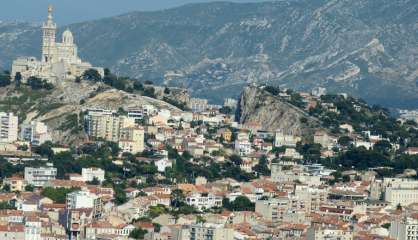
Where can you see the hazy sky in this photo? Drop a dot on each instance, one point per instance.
(70, 11)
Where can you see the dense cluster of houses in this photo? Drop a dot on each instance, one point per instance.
(295, 201)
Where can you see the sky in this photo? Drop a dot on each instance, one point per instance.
(72, 11)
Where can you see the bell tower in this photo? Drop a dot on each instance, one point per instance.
(48, 40)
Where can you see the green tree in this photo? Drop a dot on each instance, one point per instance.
(241, 203)
(5, 79)
(138, 86)
(138, 233)
(262, 166)
(237, 160)
(29, 188)
(18, 79)
(345, 141)
(92, 75)
(177, 198)
(382, 146)
(6, 205)
(149, 92)
(58, 195)
(6, 188)
(44, 149)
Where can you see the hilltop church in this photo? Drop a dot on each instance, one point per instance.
(59, 61)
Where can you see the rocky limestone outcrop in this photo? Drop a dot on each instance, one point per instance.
(272, 113)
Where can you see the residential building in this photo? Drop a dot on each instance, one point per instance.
(84, 199)
(285, 139)
(17, 184)
(12, 231)
(131, 140)
(8, 127)
(88, 174)
(39, 176)
(405, 228)
(207, 231)
(35, 132)
(102, 125)
(321, 232)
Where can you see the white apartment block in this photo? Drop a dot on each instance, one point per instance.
(209, 231)
(243, 147)
(400, 191)
(84, 199)
(280, 173)
(320, 232)
(401, 196)
(88, 174)
(8, 127)
(404, 229)
(39, 176)
(283, 139)
(203, 200)
(35, 132)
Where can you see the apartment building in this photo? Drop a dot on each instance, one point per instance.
(106, 125)
(323, 232)
(131, 140)
(405, 228)
(38, 177)
(8, 127)
(208, 231)
(88, 174)
(286, 139)
(35, 132)
(400, 191)
(84, 199)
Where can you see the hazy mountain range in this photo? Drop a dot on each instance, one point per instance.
(368, 48)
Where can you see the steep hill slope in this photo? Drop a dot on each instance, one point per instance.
(272, 113)
(366, 47)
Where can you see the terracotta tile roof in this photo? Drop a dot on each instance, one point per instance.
(66, 183)
(12, 228)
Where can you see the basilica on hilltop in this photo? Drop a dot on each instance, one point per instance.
(59, 60)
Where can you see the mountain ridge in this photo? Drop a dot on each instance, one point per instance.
(365, 48)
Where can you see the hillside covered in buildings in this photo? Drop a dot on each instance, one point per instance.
(139, 161)
(87, 153)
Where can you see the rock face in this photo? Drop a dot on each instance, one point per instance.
(366, 48)
(272, 113)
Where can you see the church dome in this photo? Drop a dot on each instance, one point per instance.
(67, 37)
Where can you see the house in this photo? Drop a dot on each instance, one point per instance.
(225, 133)
(131, 192)
(323, 138)
(106, 230)
(16, 183)
(286, 139)
(162, 164)
(411, 151)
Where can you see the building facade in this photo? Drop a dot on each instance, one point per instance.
(8, 127)
(39, 176)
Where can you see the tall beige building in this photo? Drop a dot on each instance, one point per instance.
(107, 126)
(8, 127)
(120, 129)
(131, 139)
